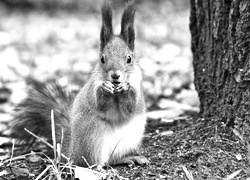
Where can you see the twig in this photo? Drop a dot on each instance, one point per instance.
(53, 132)
(12, 150)
(43, 141)
(187, 173)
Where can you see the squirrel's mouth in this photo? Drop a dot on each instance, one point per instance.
(116, 82)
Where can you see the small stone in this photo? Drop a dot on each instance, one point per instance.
(238, 157)
(166, 133)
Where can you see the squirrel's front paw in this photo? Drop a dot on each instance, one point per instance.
(108, 87)
(122, 88)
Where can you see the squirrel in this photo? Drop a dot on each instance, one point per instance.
(106, 120)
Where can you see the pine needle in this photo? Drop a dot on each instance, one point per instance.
(233, 175)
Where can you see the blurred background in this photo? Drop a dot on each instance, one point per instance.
(59, 39)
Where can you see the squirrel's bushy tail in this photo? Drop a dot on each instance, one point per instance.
(34, 112)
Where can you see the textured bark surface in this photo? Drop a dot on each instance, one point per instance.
(220, 32)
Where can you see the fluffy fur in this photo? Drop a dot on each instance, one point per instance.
(34, 112)
(105, 122)
(107, 28)
(127, 25)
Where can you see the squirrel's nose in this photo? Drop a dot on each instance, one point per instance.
(115, 76)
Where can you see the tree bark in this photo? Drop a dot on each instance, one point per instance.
(220, 31)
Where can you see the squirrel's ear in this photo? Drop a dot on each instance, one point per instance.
(107, 29)
(127, 25)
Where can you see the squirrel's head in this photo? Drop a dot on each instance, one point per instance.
(117, 51)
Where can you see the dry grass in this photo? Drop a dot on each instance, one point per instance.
(51, 168)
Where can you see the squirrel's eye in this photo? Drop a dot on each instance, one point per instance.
(102, 59)
(129, 59)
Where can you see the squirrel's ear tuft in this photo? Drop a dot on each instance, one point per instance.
(107, 29)
(127, 25)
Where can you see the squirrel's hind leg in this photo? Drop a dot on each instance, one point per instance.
(137, 159)
(132, 160)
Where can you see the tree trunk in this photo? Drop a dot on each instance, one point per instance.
(220, 32)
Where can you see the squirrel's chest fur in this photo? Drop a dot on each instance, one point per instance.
(115, 114)
(123, 139)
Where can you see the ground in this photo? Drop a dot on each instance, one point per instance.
(63, 44)
(205, 148)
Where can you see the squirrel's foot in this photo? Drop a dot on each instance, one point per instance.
(122, 88)
(132, 160)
